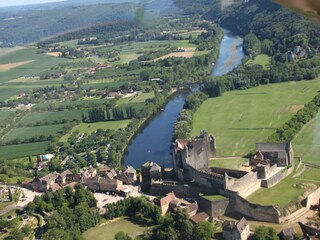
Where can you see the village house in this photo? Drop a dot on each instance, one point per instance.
(53, 181)
(128, 176)
(232, 230)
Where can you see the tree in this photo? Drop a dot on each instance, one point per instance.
(122, 236)
(251, 45)
(203, 230)
(265, 233)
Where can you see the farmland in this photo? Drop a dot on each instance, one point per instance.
(20, 150)
(241, 118)
(307, 142)
(29, 132)
(40, 62)
(50, 117)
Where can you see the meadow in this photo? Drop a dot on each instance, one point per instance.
(107, 231)
(307, 143)
(29, 132)
(262, 59)
(21, 150)
(4, 115)
(239, 119)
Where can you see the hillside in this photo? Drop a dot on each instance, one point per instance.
(42, 23)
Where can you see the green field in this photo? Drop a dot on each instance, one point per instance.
(50, 117)
(232, 163)
(28, 132)
(107, 231)
(262, 59)
(307, 143)
(92, 127)
(4, 115)
(40, 63)
(239, 119)
(21, 150)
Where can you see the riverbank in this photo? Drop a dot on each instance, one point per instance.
(153, 141)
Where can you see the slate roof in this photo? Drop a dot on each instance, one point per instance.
(271, 147)
(130, 169)
(155, 168)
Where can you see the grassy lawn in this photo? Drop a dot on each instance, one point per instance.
(92, 127)
(228, 163)
(22, 150)
(4, 115)
(28, 132)
(107, 231)
(310, 175)
(239, 119)
(307, 143)
(50, 117)
(262, 59)
(281, 194)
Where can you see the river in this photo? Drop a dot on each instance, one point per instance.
(153, 142)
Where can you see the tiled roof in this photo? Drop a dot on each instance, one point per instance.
(202, 216)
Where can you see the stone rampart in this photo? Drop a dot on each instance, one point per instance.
(312, 199)
(246, 185)
(276, 178)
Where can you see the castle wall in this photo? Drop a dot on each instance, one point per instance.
(180, 190)
(214, 208)
(312, 199)
(246, 185)
(255, 211)
(276, 178)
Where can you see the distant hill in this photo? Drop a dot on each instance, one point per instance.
(26, 26)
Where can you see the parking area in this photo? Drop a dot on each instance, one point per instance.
(26, 196)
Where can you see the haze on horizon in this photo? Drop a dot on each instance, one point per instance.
(9, 3)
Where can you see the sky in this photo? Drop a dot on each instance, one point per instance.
(6, 3)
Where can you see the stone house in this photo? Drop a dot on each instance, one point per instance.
(232, 230)
(43, 184)
(273, 153)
